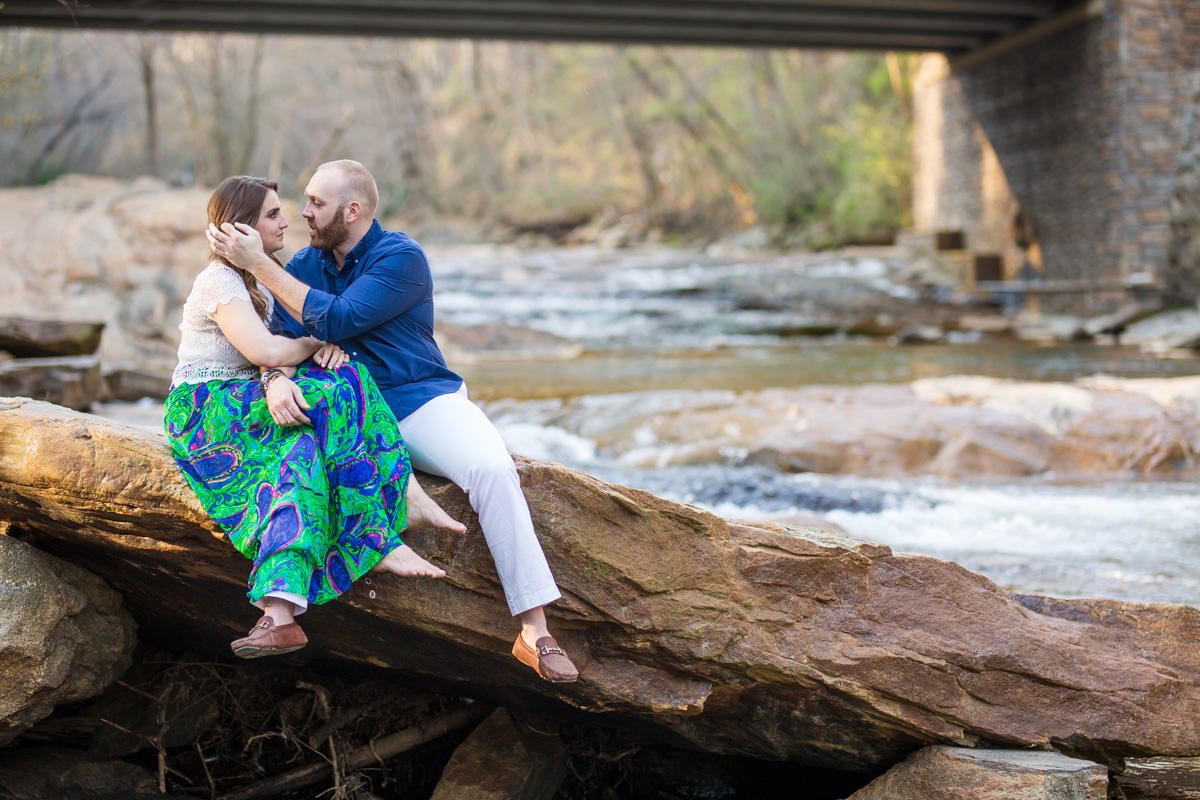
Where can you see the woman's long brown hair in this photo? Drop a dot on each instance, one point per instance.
(240, 199)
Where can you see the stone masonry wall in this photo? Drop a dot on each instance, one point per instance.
(1081, 132)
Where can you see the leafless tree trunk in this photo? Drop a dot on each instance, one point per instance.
(253, 104)
(148, 80)
(642, 147)
(219, 129)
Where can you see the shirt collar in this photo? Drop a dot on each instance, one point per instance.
(367, 242)
(372, 235)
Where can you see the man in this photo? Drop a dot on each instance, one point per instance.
(370, 291)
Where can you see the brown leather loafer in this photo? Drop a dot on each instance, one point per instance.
(268, 639)
(548, 659)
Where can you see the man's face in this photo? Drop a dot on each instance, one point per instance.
(327, 226)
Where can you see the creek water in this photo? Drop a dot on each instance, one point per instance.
(669, 321)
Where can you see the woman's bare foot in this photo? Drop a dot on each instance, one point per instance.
(423, 512)
(405, 561)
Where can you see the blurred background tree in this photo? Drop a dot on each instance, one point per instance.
(687, 143)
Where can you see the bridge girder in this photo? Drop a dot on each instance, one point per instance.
(950, 26)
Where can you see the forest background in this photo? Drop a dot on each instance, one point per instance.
(673, 144)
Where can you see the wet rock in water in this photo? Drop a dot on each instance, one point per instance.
(64, 635)
(1165, 331)
(1036, 327)
(952, 427)
(1119, 321)
(71, 381)
(957, 773)
(744, 639)
(504, 759)
(47, 338)
(467, 345)
(917, 333)
(41, 773)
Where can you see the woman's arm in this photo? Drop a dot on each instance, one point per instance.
(242, 326)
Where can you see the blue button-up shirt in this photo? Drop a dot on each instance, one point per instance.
(378, 308)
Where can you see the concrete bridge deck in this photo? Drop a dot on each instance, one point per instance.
(950, 26)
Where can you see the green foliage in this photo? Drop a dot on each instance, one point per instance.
(874, 175)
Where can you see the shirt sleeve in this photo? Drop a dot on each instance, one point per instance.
(284, 324)
(218, 286)
(388, 288)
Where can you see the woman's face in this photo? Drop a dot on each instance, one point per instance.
(271, 224)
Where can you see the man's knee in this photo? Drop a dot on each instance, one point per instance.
(492, 470)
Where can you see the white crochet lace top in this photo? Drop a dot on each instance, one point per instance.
(204, 352)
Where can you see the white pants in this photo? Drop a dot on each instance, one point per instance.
(450, 436)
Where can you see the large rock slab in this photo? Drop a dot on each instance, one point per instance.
(740, 638)
(497, 342)
(64, 635)
(956, 773)
(48, 338)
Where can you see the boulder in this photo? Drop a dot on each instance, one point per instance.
(751, 639)
(64, 635)
(956, 773)
(71, 381)
(38, 773)
(47, 338)
(504, 760)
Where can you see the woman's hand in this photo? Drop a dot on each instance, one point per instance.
(330, 357)
(286, 403)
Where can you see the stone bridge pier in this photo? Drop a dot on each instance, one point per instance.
(1070, 151)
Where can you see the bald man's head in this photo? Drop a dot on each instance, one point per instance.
(356, 184)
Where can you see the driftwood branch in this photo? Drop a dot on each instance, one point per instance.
(374, 752)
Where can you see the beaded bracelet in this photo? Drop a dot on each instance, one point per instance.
(268, 376)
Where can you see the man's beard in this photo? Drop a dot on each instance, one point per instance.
(333, 234)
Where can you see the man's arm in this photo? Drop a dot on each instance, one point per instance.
(385, 291)
(242, 245)
(388, 288)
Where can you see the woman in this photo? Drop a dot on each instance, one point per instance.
(314, 506)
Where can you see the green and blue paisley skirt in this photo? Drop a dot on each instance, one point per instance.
(313, 506)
